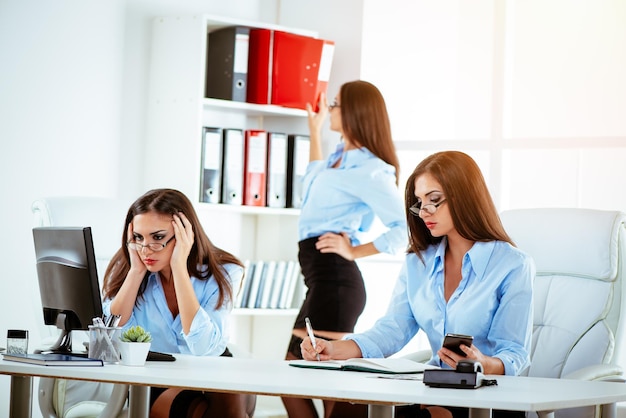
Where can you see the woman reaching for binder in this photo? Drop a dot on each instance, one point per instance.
(462, 274)
(169, 278)
(342, 196)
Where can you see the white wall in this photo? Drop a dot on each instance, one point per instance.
(60, 80)
(73, 84)
(533, 89)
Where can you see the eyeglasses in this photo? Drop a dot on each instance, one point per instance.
(333, 105)
(154, 246)
(429, 208)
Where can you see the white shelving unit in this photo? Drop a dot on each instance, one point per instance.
(177, 111)
(177, 108)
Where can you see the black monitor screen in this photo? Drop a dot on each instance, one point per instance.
(68, 280)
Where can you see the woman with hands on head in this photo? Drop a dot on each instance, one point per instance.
(170, 279)
(462, 274)
(342, 196)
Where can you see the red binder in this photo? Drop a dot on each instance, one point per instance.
(259, 66)
(255, 167)
(287, 69)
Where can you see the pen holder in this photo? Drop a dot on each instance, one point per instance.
(103, 343)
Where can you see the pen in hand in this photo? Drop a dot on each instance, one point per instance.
(309, 329)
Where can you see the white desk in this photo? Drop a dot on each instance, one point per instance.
(277, 378)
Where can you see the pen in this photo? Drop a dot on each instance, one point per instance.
(309, 329)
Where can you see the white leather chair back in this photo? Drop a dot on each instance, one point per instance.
(578, 289)
(104, 216)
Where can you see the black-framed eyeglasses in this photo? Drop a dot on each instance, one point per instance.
(429, 208)
(154, 246)
(333, 105)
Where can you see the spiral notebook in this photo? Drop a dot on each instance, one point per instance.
(372, 365)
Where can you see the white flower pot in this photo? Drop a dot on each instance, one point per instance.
(134, 354)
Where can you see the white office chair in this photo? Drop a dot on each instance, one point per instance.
(60, 398)
(578, 325)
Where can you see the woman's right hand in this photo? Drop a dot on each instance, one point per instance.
(316, 119)
(136, 263)
(322, 347)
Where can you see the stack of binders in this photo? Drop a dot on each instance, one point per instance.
(266, 66)
(287, 69)
(268, 285)
(252, 167)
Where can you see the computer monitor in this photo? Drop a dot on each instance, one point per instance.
(68, 281)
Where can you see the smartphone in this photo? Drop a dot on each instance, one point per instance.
(453, 342)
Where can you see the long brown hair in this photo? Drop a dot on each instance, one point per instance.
(205, 259)
(473, 212)
(365, 120)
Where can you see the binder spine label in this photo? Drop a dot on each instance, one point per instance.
(242, 41)
(326, 62)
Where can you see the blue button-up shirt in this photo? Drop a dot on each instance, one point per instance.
(350, 197)
(208, 335)
(493, 302)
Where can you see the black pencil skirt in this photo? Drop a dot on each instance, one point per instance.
(335, 295)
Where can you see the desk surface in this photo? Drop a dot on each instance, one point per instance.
(276, 378)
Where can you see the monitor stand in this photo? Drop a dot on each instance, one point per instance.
(63, 345)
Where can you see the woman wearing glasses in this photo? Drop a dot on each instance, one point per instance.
(170, 279)
(462, 274)
(342, 196)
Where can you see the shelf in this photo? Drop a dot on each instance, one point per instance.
(214, 22)
(252, 109)
(248, 210)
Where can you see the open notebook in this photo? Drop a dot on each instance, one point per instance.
(372, 365)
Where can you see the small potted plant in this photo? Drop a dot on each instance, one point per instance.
(134, 346)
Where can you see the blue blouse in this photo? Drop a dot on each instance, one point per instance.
(349, 198)
(493, 302)
(208, 335)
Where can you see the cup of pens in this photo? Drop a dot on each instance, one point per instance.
(103, 342)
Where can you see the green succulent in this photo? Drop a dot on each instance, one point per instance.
(136, 334)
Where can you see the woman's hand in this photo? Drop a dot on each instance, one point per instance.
(329, 350)
(317, 119)
(336, 243)
(322, 347)
(137, 267)
(184, 241)
(491, 365)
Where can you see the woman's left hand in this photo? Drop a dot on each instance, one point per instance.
(491, 365)
(335, 243)
(184, 240)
